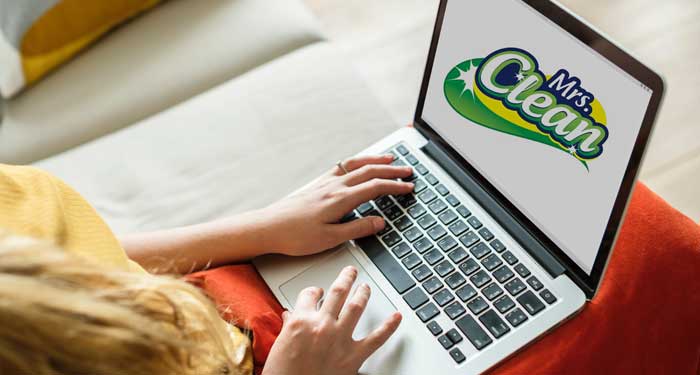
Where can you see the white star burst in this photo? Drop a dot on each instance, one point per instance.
(519, 76)
(572, 150)
(467, 77)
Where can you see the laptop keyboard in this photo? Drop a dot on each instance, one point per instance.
(443, 260)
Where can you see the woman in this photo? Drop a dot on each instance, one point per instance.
(72, 301)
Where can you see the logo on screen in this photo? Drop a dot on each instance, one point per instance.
(506, 91)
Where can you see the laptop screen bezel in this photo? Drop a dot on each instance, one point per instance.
(617, 56)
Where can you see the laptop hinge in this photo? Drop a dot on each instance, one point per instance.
(496, 210)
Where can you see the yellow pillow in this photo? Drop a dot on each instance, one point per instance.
(38, 35)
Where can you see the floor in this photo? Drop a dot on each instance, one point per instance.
(388, 42)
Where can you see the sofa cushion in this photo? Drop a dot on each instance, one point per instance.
(172, 53)
(44, 34)
(239, 146)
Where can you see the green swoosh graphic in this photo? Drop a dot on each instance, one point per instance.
(467, 104)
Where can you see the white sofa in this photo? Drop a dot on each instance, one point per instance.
(196, 110)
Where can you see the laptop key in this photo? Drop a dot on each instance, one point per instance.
(452, 200)
(383, 202)
(392, 212)
(455, 310)
(387, 229)
(412, 234)
(364, 208)
(498, 245)
(393, 154)
(422, 272)
(437, 206)
(432, 285)
(443, 297)
(454, 336)
(418, 186)
(530, 302)
(486, 234)
(389, 267)
(447, 217)
(423, 245)
(480, 250)
(427, 196)
(445, 341)
(434, 328)
(516, 317)
(457, 355)
(444, 268)
(474, 222)
(416, 211)
(391, 239)
(427, 221)
(411, 159)
(469, 239)
(522, 270)
(412, 261)
(406, 200)
(401, 250)
(473, 331)
(403, 223)
(503, 274)
(480, 278)
(458, 255)
(431, 179)
(458, 227)
(466, 293)
(420, 168)
(455, 280)
(491, 262)
(447, 243)
(427, 312)
(463, 211)
(548, 297)
(469, 267)
(514, 287)
(415, 298)
(510, 258)
(504, 304)
(477, 305)
(433, 256)
(494, 323)
(437, 232)
(440, 188)
(402, 150)
(398, 162)
(534, 283)
(492, 291)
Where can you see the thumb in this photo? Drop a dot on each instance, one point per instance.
(359, 228)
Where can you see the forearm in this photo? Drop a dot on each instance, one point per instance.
(192, 248)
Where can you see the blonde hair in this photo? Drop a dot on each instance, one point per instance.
(63, 314)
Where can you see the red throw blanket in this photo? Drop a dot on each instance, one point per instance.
(644, 320)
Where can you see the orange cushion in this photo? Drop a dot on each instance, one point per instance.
(645, 318)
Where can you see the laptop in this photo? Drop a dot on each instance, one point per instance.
(527, 138)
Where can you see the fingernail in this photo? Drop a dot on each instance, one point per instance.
(378, 224)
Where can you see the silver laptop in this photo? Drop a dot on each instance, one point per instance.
(528, 134)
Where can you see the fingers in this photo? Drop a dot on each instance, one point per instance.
(372, 189)
(360, 161)
(338, 292)
(308, 299)
(374, 171)
(378, 337)
(357, 228)
(354, 308)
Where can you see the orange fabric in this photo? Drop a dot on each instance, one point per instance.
(645, 318)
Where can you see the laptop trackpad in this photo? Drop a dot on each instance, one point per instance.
(323, 273)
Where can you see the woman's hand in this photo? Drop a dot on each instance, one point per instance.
(307, 222)
(318, 341)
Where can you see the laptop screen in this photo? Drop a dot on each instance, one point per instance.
(546, 119)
